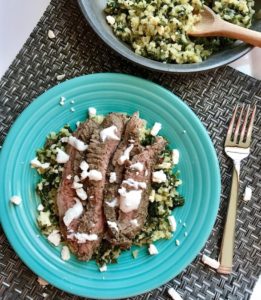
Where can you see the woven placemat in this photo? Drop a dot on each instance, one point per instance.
(77, 50)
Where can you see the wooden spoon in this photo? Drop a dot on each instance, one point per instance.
(212, 25)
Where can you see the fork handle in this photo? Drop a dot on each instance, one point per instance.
(227, 245)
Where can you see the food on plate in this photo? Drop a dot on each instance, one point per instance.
(157, 29)
(106, 186)
(17, 200)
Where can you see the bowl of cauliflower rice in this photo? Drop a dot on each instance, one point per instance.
(153, 33)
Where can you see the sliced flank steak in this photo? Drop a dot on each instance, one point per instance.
(66, 194)
(100, 151)
(134, 192)
(116, 171)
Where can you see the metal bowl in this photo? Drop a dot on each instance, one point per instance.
(93, 12)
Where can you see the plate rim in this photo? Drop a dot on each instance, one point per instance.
(19, 119)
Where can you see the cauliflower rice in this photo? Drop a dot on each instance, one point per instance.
(157, 29)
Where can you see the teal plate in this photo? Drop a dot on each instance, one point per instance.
(198, 167)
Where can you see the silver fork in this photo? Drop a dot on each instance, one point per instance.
(237, 147)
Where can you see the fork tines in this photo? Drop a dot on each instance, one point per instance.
(236, 126)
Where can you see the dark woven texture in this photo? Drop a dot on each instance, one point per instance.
(76, 50)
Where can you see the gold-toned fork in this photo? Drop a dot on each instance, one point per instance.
(237, 147)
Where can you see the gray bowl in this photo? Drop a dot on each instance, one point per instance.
(93, 12)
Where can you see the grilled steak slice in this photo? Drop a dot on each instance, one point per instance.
(131, 136)
(98, 156)
(66, 194)
(131, 222)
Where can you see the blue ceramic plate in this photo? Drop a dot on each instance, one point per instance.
(199, 173)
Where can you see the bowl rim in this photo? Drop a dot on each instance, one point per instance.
(156, 65)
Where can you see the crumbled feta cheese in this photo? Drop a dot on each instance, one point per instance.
(210, 262)
(77, 144)
(113, 203)
(146, 173)
(72, 109)
(40, 207)
(54, 238)
(177, 242)
(113, 177)
(84, 175)
(173, 294)
(135, 184)
(126, 155)
(65, 139)
(35, 163)
(155, 129)
(44, 295)
(77, 185)
(92, 112)
(95, 175)
(109, 133)
(81, 194)
(16, 200)
(73, 213)
(69, 177)
(134, 222)
(51, 34)
(175, 156)
(143, 185)
(62, 101)
(44, 218)
(60, 77)
(103, 268)
(110, 20)
(113, 225)
(83, 237)
(172, 223)
(153, 249)
(84, 166)
(65, 253)
(61, 156)
(42, 282)
(159, 176)
(137, 166)
(76, 178)
(129, 200)
(247, 194)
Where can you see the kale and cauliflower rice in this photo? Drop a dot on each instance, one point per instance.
(157, 29)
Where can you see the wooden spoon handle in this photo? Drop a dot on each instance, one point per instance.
(249, 36)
